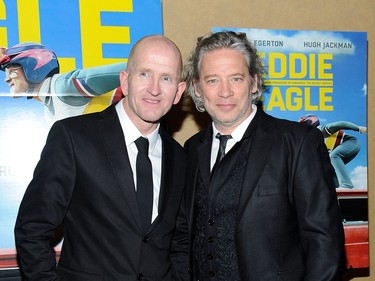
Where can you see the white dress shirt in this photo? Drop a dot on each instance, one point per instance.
(131, 133)
(237, 135)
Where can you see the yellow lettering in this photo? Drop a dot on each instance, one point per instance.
(308, 105)
(262, 55)
(276, 100)
(312, 66)
(93, 34)
(325, 99)
(324, 65)
(293, 59)
(294, 98)
(67, 64)
(298, 98)
(277, 57)
(3, 30)
(28, 20)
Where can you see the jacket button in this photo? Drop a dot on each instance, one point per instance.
(140, 277)
(210, 222)
(212, 273)
(210, 256)
(210, 239)
(145, 239)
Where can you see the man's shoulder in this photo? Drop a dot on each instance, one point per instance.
(170, 141)
(286, 129)
(285, 124)
(88, 120)
(197, 137)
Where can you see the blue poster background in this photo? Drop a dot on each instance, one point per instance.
(82, 33)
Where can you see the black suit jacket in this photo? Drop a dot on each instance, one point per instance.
(85, 182)
(288, 221)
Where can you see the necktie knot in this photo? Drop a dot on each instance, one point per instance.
(223, 139)
(223, 143)
(142, 144)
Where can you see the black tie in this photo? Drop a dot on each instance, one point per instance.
(223, 143)
(144, 182)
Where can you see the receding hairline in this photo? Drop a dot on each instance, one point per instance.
(151, 39)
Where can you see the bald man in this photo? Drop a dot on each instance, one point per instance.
(86, 182)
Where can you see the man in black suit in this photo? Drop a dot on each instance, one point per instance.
(268, 209)
(86, 182)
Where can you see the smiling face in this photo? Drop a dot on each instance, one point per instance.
(226, 88)
(151, 82)
(15, 77)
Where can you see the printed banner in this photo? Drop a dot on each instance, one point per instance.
(320, 73)
(91, 36)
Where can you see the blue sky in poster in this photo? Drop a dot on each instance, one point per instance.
(349, 77)
(22, 128)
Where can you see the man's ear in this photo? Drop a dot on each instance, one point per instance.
(254, 86)
(180, 90)
(124, 82)
(197, 90)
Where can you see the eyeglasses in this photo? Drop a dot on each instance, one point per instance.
(12, 71)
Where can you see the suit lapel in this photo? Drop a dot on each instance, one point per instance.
(110, 130)
(166, 175)
(258, 151)
(204, 155)
(198, 162)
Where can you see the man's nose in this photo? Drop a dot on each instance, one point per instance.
(155, 88)
(225, 90)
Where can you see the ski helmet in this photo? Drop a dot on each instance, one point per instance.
(36, 60)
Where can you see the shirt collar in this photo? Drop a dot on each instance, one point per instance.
(240, 130)
(132, 133)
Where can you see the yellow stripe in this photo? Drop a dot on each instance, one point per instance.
(29, 25)
(99, 103)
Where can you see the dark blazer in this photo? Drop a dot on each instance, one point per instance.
(84, 181)
(288, 221)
